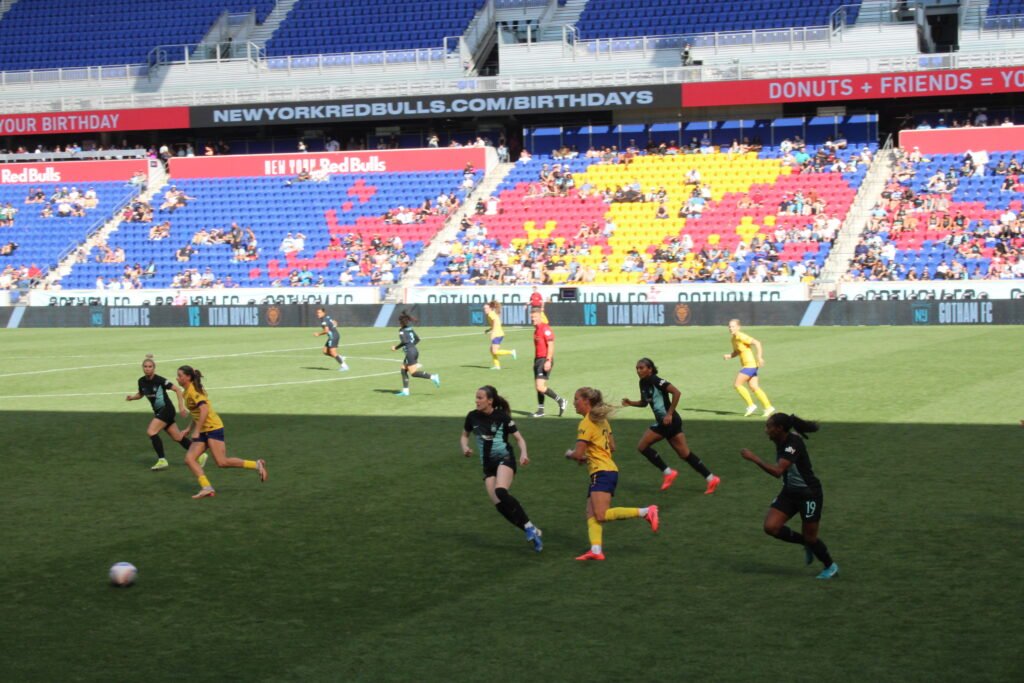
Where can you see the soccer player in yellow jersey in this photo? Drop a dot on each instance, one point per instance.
(493, 312)
(741, 346)
(594, 446)
(208, 433)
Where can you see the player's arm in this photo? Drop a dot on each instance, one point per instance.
(401, 343)
(579, 452)
(760, 351)
(524, 459)
(181, 399)
(204, 410)
(730, 356)
(676, 395)
(464, 443)
(628, 403)
(551, 355)
(322, 332)
(775, 470)
(133, 397)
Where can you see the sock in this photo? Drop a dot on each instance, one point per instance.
(494, 359)
(249, 464)
(596, 534)
(185, 442)
(621, 513)
(696, 463)
(405, 379)
(540, 400)
(550, 393)
(762, 397)
(158, 445)
(529, 525)
(341, 361)
(205, 483)
(421, 374)
(502, 352)
(821, 552)
(745, 395)
(505, 512)
(789, 536)
(517, 515)
(642, 511)
(655, 459)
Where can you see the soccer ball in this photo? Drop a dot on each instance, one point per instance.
(123, 574)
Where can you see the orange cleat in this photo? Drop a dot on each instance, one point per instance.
(205, 492)
(712, 485)
(652, 517)
(667, 480)
(591, 555)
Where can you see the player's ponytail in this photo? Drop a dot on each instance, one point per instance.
(499, 402)
(148, 359)
(793, 423)
(599, 410)
(195, 376)
(404, 319)
(648, 363)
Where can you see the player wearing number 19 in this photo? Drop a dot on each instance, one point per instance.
(330, 328)
(154, 387)
(492, 424)
(801, 489)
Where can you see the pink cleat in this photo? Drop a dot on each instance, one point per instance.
(652, 517)
(667, 480)
(205, 492)
(712, 485)
(591, 555)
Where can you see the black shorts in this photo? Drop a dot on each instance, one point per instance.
(332, 341)
(412, 356)
(808, 503)
(491, 465)
(538, 368)
(165, 415)
(668, 431)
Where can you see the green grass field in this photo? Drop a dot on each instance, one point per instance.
(373, 553)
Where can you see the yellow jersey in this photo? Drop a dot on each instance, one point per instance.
(741, 345)
(495, 320)
(194, 399)
(599, 449)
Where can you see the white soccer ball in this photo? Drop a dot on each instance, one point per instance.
(123, 574)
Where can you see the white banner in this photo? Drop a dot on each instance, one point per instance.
(933, 289)
(693, 292)
(5, 297)
(328, 296)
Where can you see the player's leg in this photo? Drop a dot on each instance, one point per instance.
(197, 449)
(755, 386)
(738, 385)
(156, 425)
(594, 531)
(682, 449)
(405, 380)
(178, 435)
(541, 385)
(219, 450)
(810, 515)
(518, 516)
(645, 447)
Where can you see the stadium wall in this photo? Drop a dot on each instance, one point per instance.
(784, 313)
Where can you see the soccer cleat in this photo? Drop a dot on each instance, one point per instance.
(261, 469)
(533, 535)
(515, 356)
(436, 379)
(205, 492)
(562, 403)
(495, 367)
(343, 368)
(667, 480)
(769, 411)
(751, 409)
(652, 517)
(202, 460)
(539, 413)
(161, 464)
(829, 572)
(403, 392)
(808, 556)
(591, 555)
(712, 485)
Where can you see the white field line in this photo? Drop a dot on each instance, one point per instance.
(341, 347)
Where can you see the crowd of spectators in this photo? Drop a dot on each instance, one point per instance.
(14, 277)
(976, 118)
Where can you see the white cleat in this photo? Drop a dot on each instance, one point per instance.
(750, 411)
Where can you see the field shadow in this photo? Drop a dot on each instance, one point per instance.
(712, 412)
(478, 367)
(310, 367)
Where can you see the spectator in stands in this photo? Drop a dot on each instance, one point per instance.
(161, 231)
(8, 249)
(185, 253)
(7, 213)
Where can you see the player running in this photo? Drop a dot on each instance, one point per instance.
(741, 344)
(493, 312)
(408, 339)
(492, 424)
(208, 433)
(594, 446)
(154, 387)
(330, 328)
(543, 361)
(801, 490)
(663, 398)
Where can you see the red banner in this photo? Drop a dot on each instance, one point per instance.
(55, 123)
(855, 87)
(959, 140)
(284, 165)
(70, 172)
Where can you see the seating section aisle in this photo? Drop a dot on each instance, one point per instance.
(39, 230)
(106, 32)
(658, 218)
(622, 18)
(942, 221)
(260, 232)
(337, 26)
